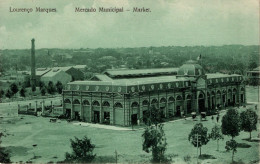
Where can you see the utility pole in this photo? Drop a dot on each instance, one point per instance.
(116, 155)
(198, 140)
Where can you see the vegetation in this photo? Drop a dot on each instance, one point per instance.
(231, 123)
(154, 140)
(41, 84)
(216, 134)
(22, 92)
(231, 146)
(50, 88)
(59, 87)
(82, 151)
(198, 136)
(14, 88)
(2, 93)
(153, 116)
(4, 154)
(248, 121)
(215, 59)
(43, 91)
(8, 94)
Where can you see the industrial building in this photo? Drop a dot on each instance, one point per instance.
(122, 97)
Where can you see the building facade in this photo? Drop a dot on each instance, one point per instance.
(122, 97)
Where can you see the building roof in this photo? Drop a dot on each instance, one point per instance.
(53, 72)
(62, 68)
(191, 68)
(101, 77)
(79, 66)
(220, 75)
(140, 72)
(257, 69)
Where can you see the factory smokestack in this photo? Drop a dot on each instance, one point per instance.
(33, 73)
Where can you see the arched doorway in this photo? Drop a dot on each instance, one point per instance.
(105, 112)
(163, 107)
(229, 98)
(224, 98)
(201, 103)
(179, 102)
(134, 116)
(234, 96)
(218, 97)
(188, 99)
(96, 109)
(213, 100)
(171, 109)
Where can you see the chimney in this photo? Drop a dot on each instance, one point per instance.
(33, 73)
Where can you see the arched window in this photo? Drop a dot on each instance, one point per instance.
(106, 104)
(86, 102)
(118, 105)
(171, 99)
(234, 90)
(218, 92)
(229, 91)
(179, 98)
(76, 101)
(67, 101)
(154, 101)
(188, 97)
(134, 105)
(201, 96)
(95, 103)
(242, 89)
(208, 94)
(163, 100)
(145, 103)
(213, 93)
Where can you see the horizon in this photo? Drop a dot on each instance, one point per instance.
(132, 47)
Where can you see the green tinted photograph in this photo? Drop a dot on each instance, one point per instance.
(129, 81)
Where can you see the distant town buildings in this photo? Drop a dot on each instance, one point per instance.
(253, 76)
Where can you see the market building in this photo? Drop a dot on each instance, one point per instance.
(122, 97)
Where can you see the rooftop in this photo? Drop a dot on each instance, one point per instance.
(140, 72)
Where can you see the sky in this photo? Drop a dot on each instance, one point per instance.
(170, 23)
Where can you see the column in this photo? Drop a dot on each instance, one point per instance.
(43, 106)
(167, 108)
(185, 106)
(35, 109)
(141, 113)
(101, 114)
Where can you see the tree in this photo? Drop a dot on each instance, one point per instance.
(231, 123)
(231, 145)
(43, 91)
(41, 84)
(4, 155)
(2, 93)
(248, 121)
(216, 134)
(59, 87)
(154, 140)
(22, 92)
(82, 151)
(8, 94)
(152, 116)
(14, 88)
(50, 88)
(198, 136)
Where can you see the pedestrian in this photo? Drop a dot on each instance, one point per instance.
(217, 117)
(255, 107)
(212, 118)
